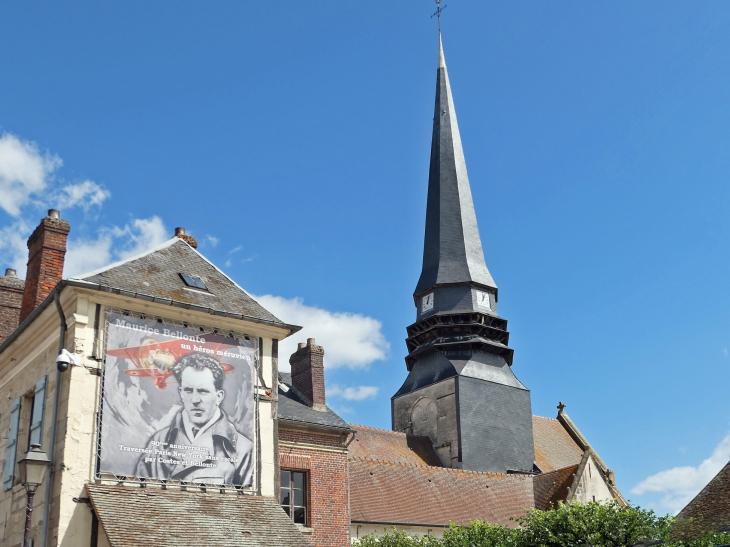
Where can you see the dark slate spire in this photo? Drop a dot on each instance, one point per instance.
(460, 390)
(452, 249)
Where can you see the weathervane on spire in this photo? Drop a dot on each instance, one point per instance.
(439, 9)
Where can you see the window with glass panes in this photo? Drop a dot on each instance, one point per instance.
(294, 495)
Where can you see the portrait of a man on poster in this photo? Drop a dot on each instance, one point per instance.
(201, 444)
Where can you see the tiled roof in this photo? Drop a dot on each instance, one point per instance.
(156, 274)
(398, 479)
(139, 517)
(550, 488)
(396, 493)
(293, 409)
(554, 447)
(389, 446)
(711, 507)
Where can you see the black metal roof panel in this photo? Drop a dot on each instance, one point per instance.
(293, 409)
(452, 249)
(157, 274)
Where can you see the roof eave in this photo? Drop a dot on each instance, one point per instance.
(32, 317)
(148, 298)
(177, 304)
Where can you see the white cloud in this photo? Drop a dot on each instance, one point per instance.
(680, 484)
(349, 339)
(24, 171)
(141, 234)
(86, 194)
(26, 178)
(112, 244)
(235, 250)
(359, 393)
(212, 240)
(83, 256)
(13, 246)
(343, 410)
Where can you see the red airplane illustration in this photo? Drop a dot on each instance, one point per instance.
(155, 359)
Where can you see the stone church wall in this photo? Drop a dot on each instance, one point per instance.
(431, 412)
(592, 486)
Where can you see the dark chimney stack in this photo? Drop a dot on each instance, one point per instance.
(180, 232)
(11, 297)
(46, 252)
(307, 372)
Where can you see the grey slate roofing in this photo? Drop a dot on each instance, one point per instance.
(140, 517)
(156, 274)
(292, 408)
(452, 249)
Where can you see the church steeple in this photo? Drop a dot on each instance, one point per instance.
(452, 249)
(460, 390)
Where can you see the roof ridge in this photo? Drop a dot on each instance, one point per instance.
(546, 418)
(388, 431)
(377, 460)
(442, 469)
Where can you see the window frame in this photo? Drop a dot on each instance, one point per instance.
(194, 282)
(292, 506)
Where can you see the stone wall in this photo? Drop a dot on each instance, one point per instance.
(18, 378)
(592, 486)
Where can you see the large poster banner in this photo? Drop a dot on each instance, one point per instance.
(177, 404)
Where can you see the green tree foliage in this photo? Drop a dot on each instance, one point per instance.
(590, 524)
(595, 524)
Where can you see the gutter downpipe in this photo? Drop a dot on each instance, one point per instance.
(56, 392)
(349, 506)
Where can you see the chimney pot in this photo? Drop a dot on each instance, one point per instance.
(54, 213)
(190, 240)
(302, 345)
(310, 341)
(10, 272)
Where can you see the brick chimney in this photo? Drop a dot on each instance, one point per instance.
(11, 296)
(46, 251)
(307, 372)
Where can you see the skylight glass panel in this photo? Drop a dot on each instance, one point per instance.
(192, 281)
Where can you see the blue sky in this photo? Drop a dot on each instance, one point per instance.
(292, 139)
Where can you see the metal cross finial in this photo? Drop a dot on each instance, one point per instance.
(439, 9)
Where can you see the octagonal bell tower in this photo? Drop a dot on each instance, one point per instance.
(460, 390)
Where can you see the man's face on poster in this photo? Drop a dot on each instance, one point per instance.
(199, 396)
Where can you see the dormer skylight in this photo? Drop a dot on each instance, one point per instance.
(194, 282)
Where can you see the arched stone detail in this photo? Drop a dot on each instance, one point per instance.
(424, 417)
